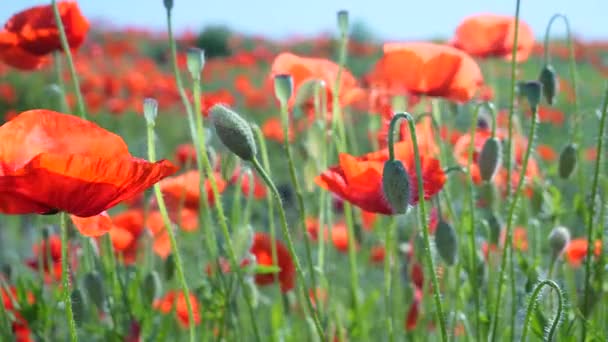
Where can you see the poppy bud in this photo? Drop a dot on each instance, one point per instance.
(489, 159)
(195, 61)
(234, 132)
(567, 161)
(168, 4)
(169, 267)
(446, 242)
(151, 287)
(532, 91)
(150, 110)
(343, 22)
(559, 238)
(283, 87)
(94, 286)
(78, 306)
(396, 186)
(548, 78)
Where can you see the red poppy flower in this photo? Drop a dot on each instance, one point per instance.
(36, 32)
(19, 325)
(427, 69)
(338, 233)
(259, 188)
(177, 300)
(15, 56)
(576, 251)
(127, 227)
(49, 253)
(183, 190)
(411, 320)
(93, 226)
(377, 254)
(262, 249)
(546, 153)
(359, 179)
(53, 162)
(491, 35)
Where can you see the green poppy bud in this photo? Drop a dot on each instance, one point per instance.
(93, 283)
(234, 132)
(567, 161)
(548, 78)
(168, 4)
(489, 159)
(446, 242)
(559, 238)
(78, 306)
(343, 22)
(150, 111)
(195, 61)
(396, 186)
(532, 91)
(151, 287)
(283, 88)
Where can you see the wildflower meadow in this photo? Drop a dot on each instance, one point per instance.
(216, 186)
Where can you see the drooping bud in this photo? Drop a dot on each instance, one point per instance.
(283, 88)
(343, 22)
(532, 90)
(195, 61)
(169, 267)
(150, 110)
(548, 78)
(93, 283)
(489, 158)
(446, 242)
(396, 186)
(559, 238)
(151, 287)
(567, 161)
(78, 306)
(234, 132)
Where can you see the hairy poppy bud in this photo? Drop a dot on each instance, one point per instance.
(446, 242)
(559, 238)
(532, 91)
(151, 287)
(283, 87)
(195, 61)
(94, 285)
(234, 132)
(150, 110)
(78, 306)
(169, 267)
(168, 4)
(396, 186)
(343, 22)
(489, 159)
(548, 78)
(567, 161)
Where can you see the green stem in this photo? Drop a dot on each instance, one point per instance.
(423, 219)
(387, 280)
(511, 215)
(592, 209)
(290, 245)
(512, 99)
(59, 75)
(65, 276)
(550, 334)
(169, 228)
(68, 54)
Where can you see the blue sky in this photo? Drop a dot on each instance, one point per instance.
(391, 20)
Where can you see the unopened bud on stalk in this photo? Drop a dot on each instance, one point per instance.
(532, 90)
(559, 238)
(446, 242)
(93, 283)
(234, 132)
(343, 22)
(396, 186)
(151, 286)
(567, 161)
(168, 4)
(78, 306)
(283, 88)
(548, 78)
(489, 159)
(195, 62)
(150, 110)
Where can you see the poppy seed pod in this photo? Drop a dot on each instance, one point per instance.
(151, 287)
(343, 22)
(489, 159)
(195, 61)
(168, 4)
(150, 110)
(559, 238)
(567, 161)
(94, 285)
(446, 242)
(396, 186)
(548, 78)
(532, 90)
(234, 132)
(283, 87)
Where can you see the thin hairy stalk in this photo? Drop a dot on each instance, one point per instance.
(65, 276)
(507, 249)
(550, 334)
(592, 212)
(290, 245)
(68, 54)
